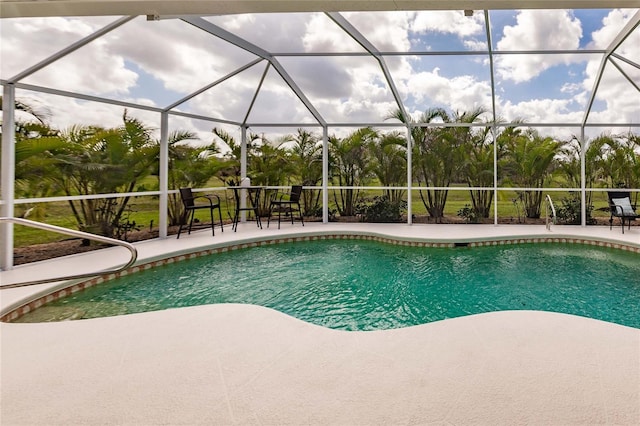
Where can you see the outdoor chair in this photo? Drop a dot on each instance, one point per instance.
(287, 204)
(621, 207)
(190, 207)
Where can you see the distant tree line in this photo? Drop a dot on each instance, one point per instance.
(445, 151)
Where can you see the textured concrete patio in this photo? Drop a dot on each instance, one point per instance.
(239, 364)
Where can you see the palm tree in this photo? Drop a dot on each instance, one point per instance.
(529, 162)
(98, 161)
(350, 166)
(189, 166)
(569, 164)
(389, 163)
(439, 153)
(478, 171)
(306, 157)
(34, 142)
(230, 172)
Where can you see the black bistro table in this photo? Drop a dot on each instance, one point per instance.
(251, 203)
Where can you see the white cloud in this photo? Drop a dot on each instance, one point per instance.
(183, 57)
(570, 88)
(323, 35)
(476, 45)
(448, 22)
(611, 26)
(537, 30)
(541, 111)
(387, 31)
(461, 93)
(344, 89)
(27, 41)
(622, 103)
(91, 69)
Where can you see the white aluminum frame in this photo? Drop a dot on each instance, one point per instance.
(7, 200)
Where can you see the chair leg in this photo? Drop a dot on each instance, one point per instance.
(193, 213)
(234, 226)
(182, 220)
(213, 223)
(220, 216)
(301, 218)
(258, 221)
(279, 214)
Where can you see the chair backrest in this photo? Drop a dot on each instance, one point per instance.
(618, 194)
(620, 203)
(614, 195)
(187, 197)
(296, 192)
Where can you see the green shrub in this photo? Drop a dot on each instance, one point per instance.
(570, 213)
(380, 210)
(469, 214)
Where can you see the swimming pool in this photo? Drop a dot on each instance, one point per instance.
(367, 285)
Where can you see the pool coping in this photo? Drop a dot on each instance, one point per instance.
(246, 364)
(46, 293)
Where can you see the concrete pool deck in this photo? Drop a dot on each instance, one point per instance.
(238, 364)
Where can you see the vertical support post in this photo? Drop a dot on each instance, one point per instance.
(243, 153)
(8, 172)
(409, 175)
(583, 178)
(164, 175)
(325, 174)
(495, 174)
(243, 172)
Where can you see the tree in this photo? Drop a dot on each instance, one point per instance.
(189, 166)
(34, 142)
(306, 158)
(478, 171)
(570, 166)
(230, 173)
(389, 163)
(439, 153)
(620, 161)
(529, 163)
(350, 167)
(103, 161)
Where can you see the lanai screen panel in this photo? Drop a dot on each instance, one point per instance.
(344, 89)
(292, 33)
(422, 31)
(435, 58)
(45, 36)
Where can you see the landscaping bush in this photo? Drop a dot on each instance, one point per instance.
(381, 210)
(569, 212)
(469, 214)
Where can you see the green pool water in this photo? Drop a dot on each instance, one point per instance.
(365, 285)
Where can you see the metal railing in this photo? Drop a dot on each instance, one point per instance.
(549, 205)
(74, 233)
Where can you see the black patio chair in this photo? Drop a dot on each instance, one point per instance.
(620, 206)
(190, 207)
(287, 204)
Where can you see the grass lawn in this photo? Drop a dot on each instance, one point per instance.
(144, 212)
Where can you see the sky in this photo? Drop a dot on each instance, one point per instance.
(157, 63)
